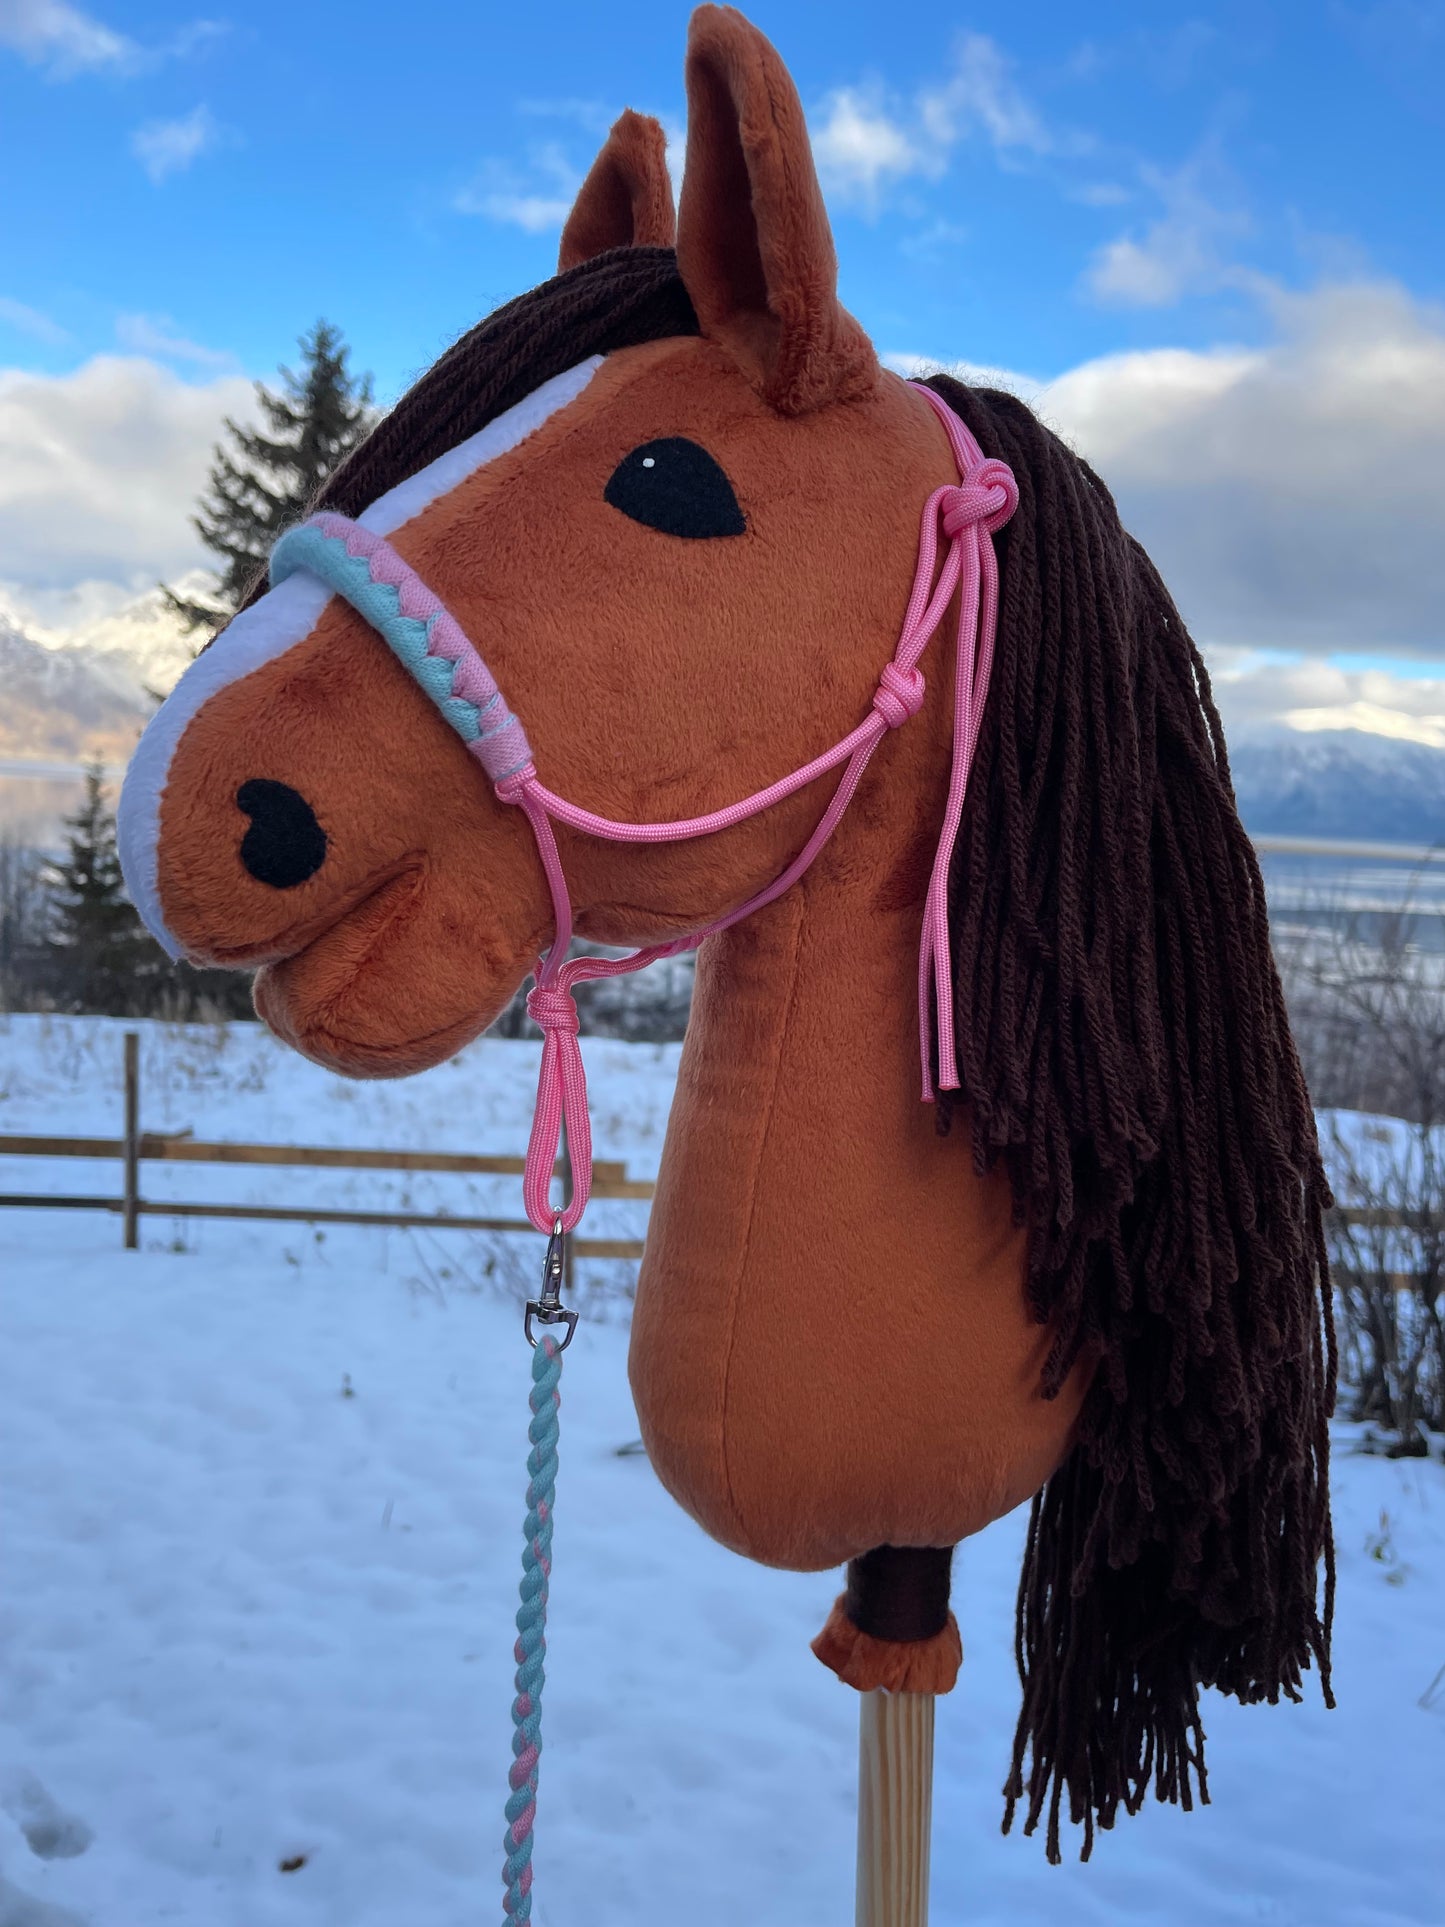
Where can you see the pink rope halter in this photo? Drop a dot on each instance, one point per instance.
(968, 513)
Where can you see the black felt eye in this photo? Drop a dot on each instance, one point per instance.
(676, 487)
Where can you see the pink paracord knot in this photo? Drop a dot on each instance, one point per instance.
(553, 1009)
(899, 694)
(986, 498)
(510, 789)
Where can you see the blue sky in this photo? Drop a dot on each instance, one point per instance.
(1164, 222)
(234, 177)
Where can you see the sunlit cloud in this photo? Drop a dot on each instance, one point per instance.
(1292, 495)
(100, 470)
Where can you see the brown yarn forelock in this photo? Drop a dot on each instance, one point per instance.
(615, 300)
(1123, 1045)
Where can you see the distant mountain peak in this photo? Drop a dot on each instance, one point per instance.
(1344, 784)
(88, 691)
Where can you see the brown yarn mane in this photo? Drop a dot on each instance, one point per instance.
(616, 300)
(1123, 1046)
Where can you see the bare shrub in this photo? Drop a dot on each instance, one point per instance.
(1367, 998)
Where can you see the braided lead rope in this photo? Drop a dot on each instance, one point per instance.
(531, 1648)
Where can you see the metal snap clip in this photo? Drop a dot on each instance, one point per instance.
(549, 1309)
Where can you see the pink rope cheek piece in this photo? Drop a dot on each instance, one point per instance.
(561, 1078)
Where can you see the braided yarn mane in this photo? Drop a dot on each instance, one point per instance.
(615, 300)
(1123, 1046)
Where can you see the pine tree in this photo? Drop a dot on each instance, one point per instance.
(101, 959)
(268, 478)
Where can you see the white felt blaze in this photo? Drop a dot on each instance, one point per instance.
(283, 618)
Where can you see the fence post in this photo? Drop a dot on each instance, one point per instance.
(132, 1141)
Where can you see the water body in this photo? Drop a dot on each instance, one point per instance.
(1370, 897)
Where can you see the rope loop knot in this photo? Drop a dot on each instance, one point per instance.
(986, 498)
(899, 694)
(553, 1010)
(510, 789)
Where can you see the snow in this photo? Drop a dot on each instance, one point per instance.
(260, 1505)
(1365, 1156)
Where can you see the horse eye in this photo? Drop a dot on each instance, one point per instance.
(677, 488)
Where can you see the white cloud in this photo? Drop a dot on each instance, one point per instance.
(166, 147)
(67, 41)
(99, 471)
(860, 148)
(51, 34)
(934, 241)
(981, 94)
(867, 140)
(155, 334)
(1311, 694)
(49, 616)
(596, 119)
(1293, 496)
(1099, 194)
(977, 374)
(1380, 718)
(1295, 493)
(537, 199)
(1181, 250)
(30, 321)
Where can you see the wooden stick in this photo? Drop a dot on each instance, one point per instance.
(895, 1808)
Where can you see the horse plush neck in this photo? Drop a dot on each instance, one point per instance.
(671, 502)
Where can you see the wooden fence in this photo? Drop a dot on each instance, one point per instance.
(135, 1147)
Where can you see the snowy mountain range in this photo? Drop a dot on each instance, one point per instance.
(1339, 784)
(66, 696)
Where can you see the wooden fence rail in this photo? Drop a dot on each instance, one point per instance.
(135, 1147)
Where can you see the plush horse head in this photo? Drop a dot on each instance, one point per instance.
(675, 502)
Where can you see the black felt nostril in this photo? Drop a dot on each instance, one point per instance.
(285, 844)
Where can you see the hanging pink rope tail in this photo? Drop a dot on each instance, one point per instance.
(969, 513)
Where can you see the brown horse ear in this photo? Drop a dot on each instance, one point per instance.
(626, 200)
(754, 246)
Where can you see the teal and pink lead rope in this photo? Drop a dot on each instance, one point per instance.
(531, 1649)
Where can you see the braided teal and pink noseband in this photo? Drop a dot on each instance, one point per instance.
(365, 569)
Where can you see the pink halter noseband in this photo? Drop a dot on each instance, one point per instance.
(365, 569)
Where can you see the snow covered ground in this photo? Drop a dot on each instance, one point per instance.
(260, 1499)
